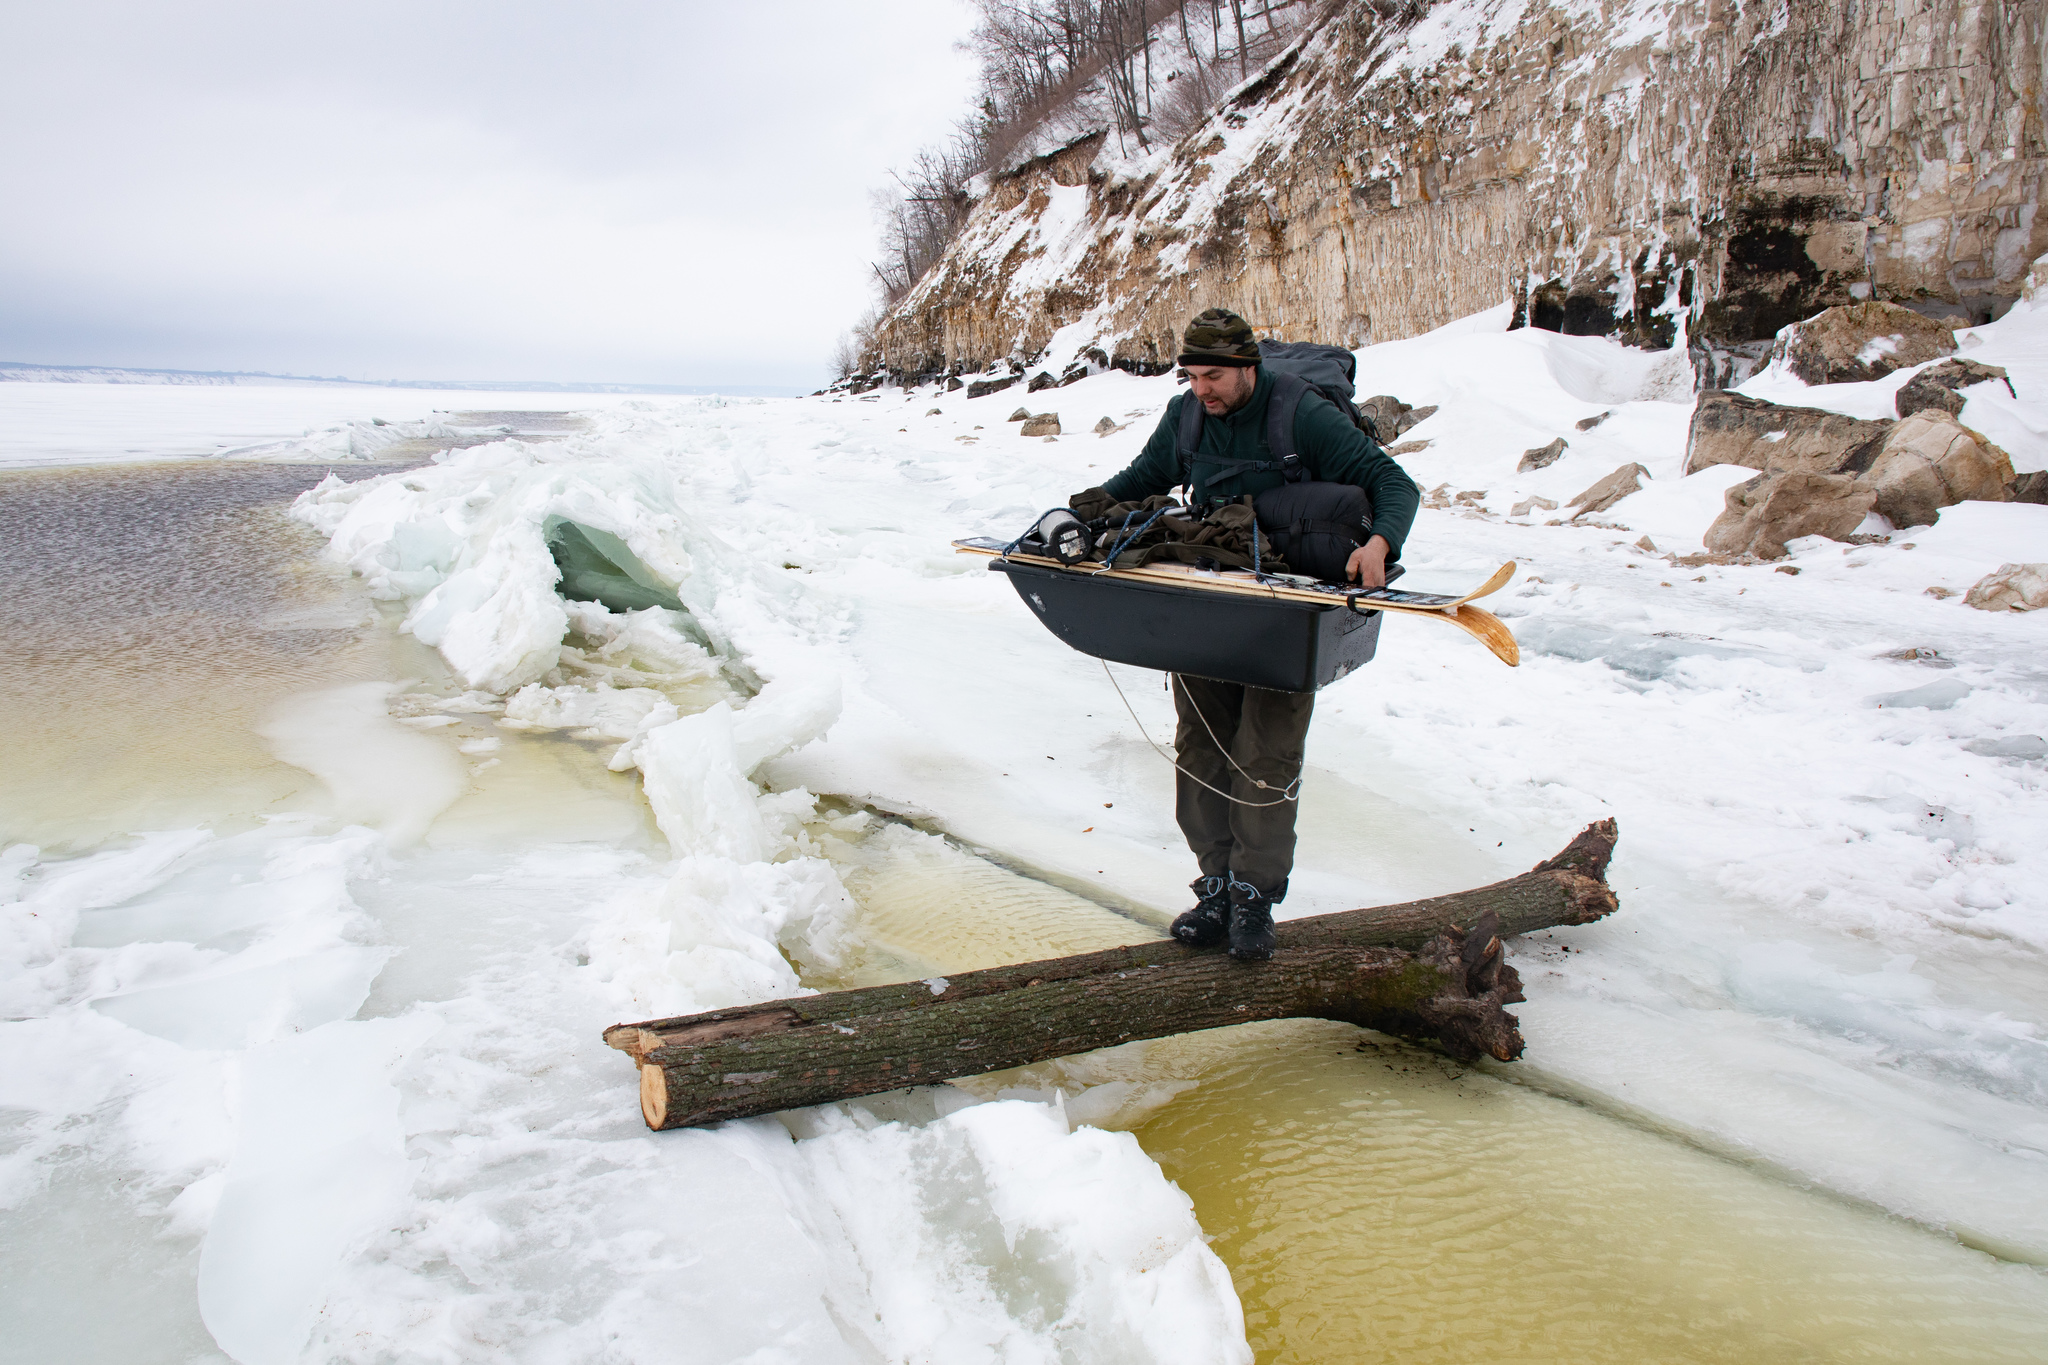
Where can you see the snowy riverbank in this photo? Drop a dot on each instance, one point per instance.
(1830, 962)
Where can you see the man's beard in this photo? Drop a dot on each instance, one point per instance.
(1232, 403)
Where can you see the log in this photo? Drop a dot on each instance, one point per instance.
(1413, 970)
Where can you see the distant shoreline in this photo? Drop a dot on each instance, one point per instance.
(16, 371)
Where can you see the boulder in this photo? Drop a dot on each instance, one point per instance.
(1930, 461)
(953, 384)
(1761, 515)
(981, 387)
(1041, 381)
(1937, 385)
(1044, 424)
(1860, 342)
(1385, 411)
(1542, 457)
(1020, 415)
(1588, 423)
(1731, 428)
(2029, 487)
(2011, 587)
(1109, 426)
(1390, 416)
(1610, 490)
(1528, 505)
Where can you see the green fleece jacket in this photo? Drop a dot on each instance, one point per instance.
(1334, 450)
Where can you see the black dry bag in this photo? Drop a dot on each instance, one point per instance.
(1315, 526)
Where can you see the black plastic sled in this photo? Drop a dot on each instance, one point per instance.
(1228, 637)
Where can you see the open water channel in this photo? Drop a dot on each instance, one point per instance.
(1374, 1202)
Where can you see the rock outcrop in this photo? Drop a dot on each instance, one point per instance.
(1391, 417)
(1861, 342)
(1610, 490)
(1614, 169)
(1759, 516)
(1930, 461)
(2011, 587)
(1912, 468)
(1938, 386)
(1733, 428)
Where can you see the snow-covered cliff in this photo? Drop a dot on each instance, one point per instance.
(1612, 166)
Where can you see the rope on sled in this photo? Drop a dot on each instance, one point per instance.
(1288, 793)
(1109, 556)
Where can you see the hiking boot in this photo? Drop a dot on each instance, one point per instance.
(1208, 924)
(1251, 922)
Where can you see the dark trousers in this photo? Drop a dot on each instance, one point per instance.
(1265, 732)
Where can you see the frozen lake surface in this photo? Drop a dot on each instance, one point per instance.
(333, 841)
(51, 424)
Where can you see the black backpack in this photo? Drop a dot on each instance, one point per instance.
(1315, 526)
(1332, 370)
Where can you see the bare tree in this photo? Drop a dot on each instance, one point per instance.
(1041, 59)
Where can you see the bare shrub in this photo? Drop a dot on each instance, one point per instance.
(1150, 70)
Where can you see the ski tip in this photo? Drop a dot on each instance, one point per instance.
(1500, 579)
(1490, 631)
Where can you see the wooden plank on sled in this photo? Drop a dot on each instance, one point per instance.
(1477, 622)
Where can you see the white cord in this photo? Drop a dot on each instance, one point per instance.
(1288, 793)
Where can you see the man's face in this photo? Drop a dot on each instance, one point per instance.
(1222, 389)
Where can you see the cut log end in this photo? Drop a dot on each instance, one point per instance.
(654, 1096)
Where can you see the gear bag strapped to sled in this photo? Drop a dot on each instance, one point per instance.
(1314, 525)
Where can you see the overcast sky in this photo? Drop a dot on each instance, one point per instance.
(452, 189)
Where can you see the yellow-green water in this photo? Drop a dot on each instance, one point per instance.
(164, 617)
(1376, 1202)
(155, 615)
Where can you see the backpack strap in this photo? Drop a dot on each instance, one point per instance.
(1288, 391)
(1190, 438)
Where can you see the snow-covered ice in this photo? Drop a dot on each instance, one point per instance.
(47, 424)
(1831, 960)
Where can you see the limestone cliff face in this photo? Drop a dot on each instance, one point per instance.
(1611, 166)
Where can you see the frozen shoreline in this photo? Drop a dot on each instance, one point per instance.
(52, 424)
(1809, 972)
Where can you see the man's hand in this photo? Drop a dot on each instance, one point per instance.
(1367, 566)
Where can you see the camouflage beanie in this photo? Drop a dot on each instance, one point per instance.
(1218, 336)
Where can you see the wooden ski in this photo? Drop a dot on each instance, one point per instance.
(1482, 625)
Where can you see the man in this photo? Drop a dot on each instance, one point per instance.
(1240, 748)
